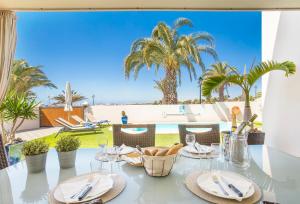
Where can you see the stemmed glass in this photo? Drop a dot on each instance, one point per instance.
(113, 156)
(190, 139)
(102, 144)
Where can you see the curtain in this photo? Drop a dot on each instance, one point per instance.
(7, 51)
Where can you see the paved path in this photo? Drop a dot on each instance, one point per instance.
(37, 133)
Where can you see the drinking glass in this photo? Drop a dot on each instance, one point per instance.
(190, 139)
(102, 153)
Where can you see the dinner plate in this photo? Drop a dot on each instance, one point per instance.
(206, 177)
(75, 184)
(203, 149)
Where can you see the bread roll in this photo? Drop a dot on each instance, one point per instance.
(154, 151)
(162, 152)
(174, 149)
(147, 152)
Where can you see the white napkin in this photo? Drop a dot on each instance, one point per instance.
(132, 160)
(202, 149)
(102, 185)
(124, 149)
(243, 185)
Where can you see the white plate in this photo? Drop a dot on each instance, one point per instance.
(203, 150)
(202, 183)
(104, 179)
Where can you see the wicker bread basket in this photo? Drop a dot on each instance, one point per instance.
(159, 165)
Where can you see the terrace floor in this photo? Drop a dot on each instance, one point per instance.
(37, 133)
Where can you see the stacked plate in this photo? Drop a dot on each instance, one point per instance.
(74, 190)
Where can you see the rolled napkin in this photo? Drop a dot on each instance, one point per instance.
(102, 184)
(201, 149)
(209, 185)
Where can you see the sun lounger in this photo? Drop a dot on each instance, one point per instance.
(68, 127)
(92, 119)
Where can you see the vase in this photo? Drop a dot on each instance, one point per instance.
(67, 159)
(36, 163)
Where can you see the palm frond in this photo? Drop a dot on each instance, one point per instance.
(209, 50)
(259, 70)
(182, 22)
(210, 83)
(203, 36)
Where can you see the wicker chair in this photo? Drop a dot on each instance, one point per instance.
(3, 158)
(144, 139)
(204, 138)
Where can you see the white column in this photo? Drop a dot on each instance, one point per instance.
(281, 112)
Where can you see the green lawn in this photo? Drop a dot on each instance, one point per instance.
(92, 139)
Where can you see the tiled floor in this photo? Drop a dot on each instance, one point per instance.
(37, 133)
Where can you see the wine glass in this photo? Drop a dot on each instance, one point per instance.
(190, 139)
(113, 155)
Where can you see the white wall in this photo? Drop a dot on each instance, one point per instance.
(281, 113)
(170, 113)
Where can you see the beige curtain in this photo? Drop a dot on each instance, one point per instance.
(7, 51)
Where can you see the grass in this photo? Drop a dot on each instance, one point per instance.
(92, 139)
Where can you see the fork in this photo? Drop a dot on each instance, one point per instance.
(216, 181)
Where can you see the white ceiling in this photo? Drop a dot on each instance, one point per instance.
(148, 4)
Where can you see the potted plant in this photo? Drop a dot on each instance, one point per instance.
(14, 110)
(66, 148)
(35, 153)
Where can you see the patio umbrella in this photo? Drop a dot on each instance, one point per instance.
(68, 99)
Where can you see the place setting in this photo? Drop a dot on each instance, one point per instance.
(96, 187)
(197, 151)
(218, 186)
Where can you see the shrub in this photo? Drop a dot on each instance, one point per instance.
(35, 147)
(67, 144)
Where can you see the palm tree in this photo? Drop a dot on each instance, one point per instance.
(220, 69)
(60, 98)
(246, 81)
(169, 50)
(200, 80)
(25, 77)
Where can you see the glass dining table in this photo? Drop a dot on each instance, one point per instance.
(276, 173)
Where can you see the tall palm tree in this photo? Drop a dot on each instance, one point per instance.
(169, 50)
(220, 69)
(60, 98)
(200, 80)
(246, 81)
(25, 77)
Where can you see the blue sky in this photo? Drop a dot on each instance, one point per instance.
(88, 49)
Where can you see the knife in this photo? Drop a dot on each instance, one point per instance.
(232, 187)
(195, 146)
(87, 189)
